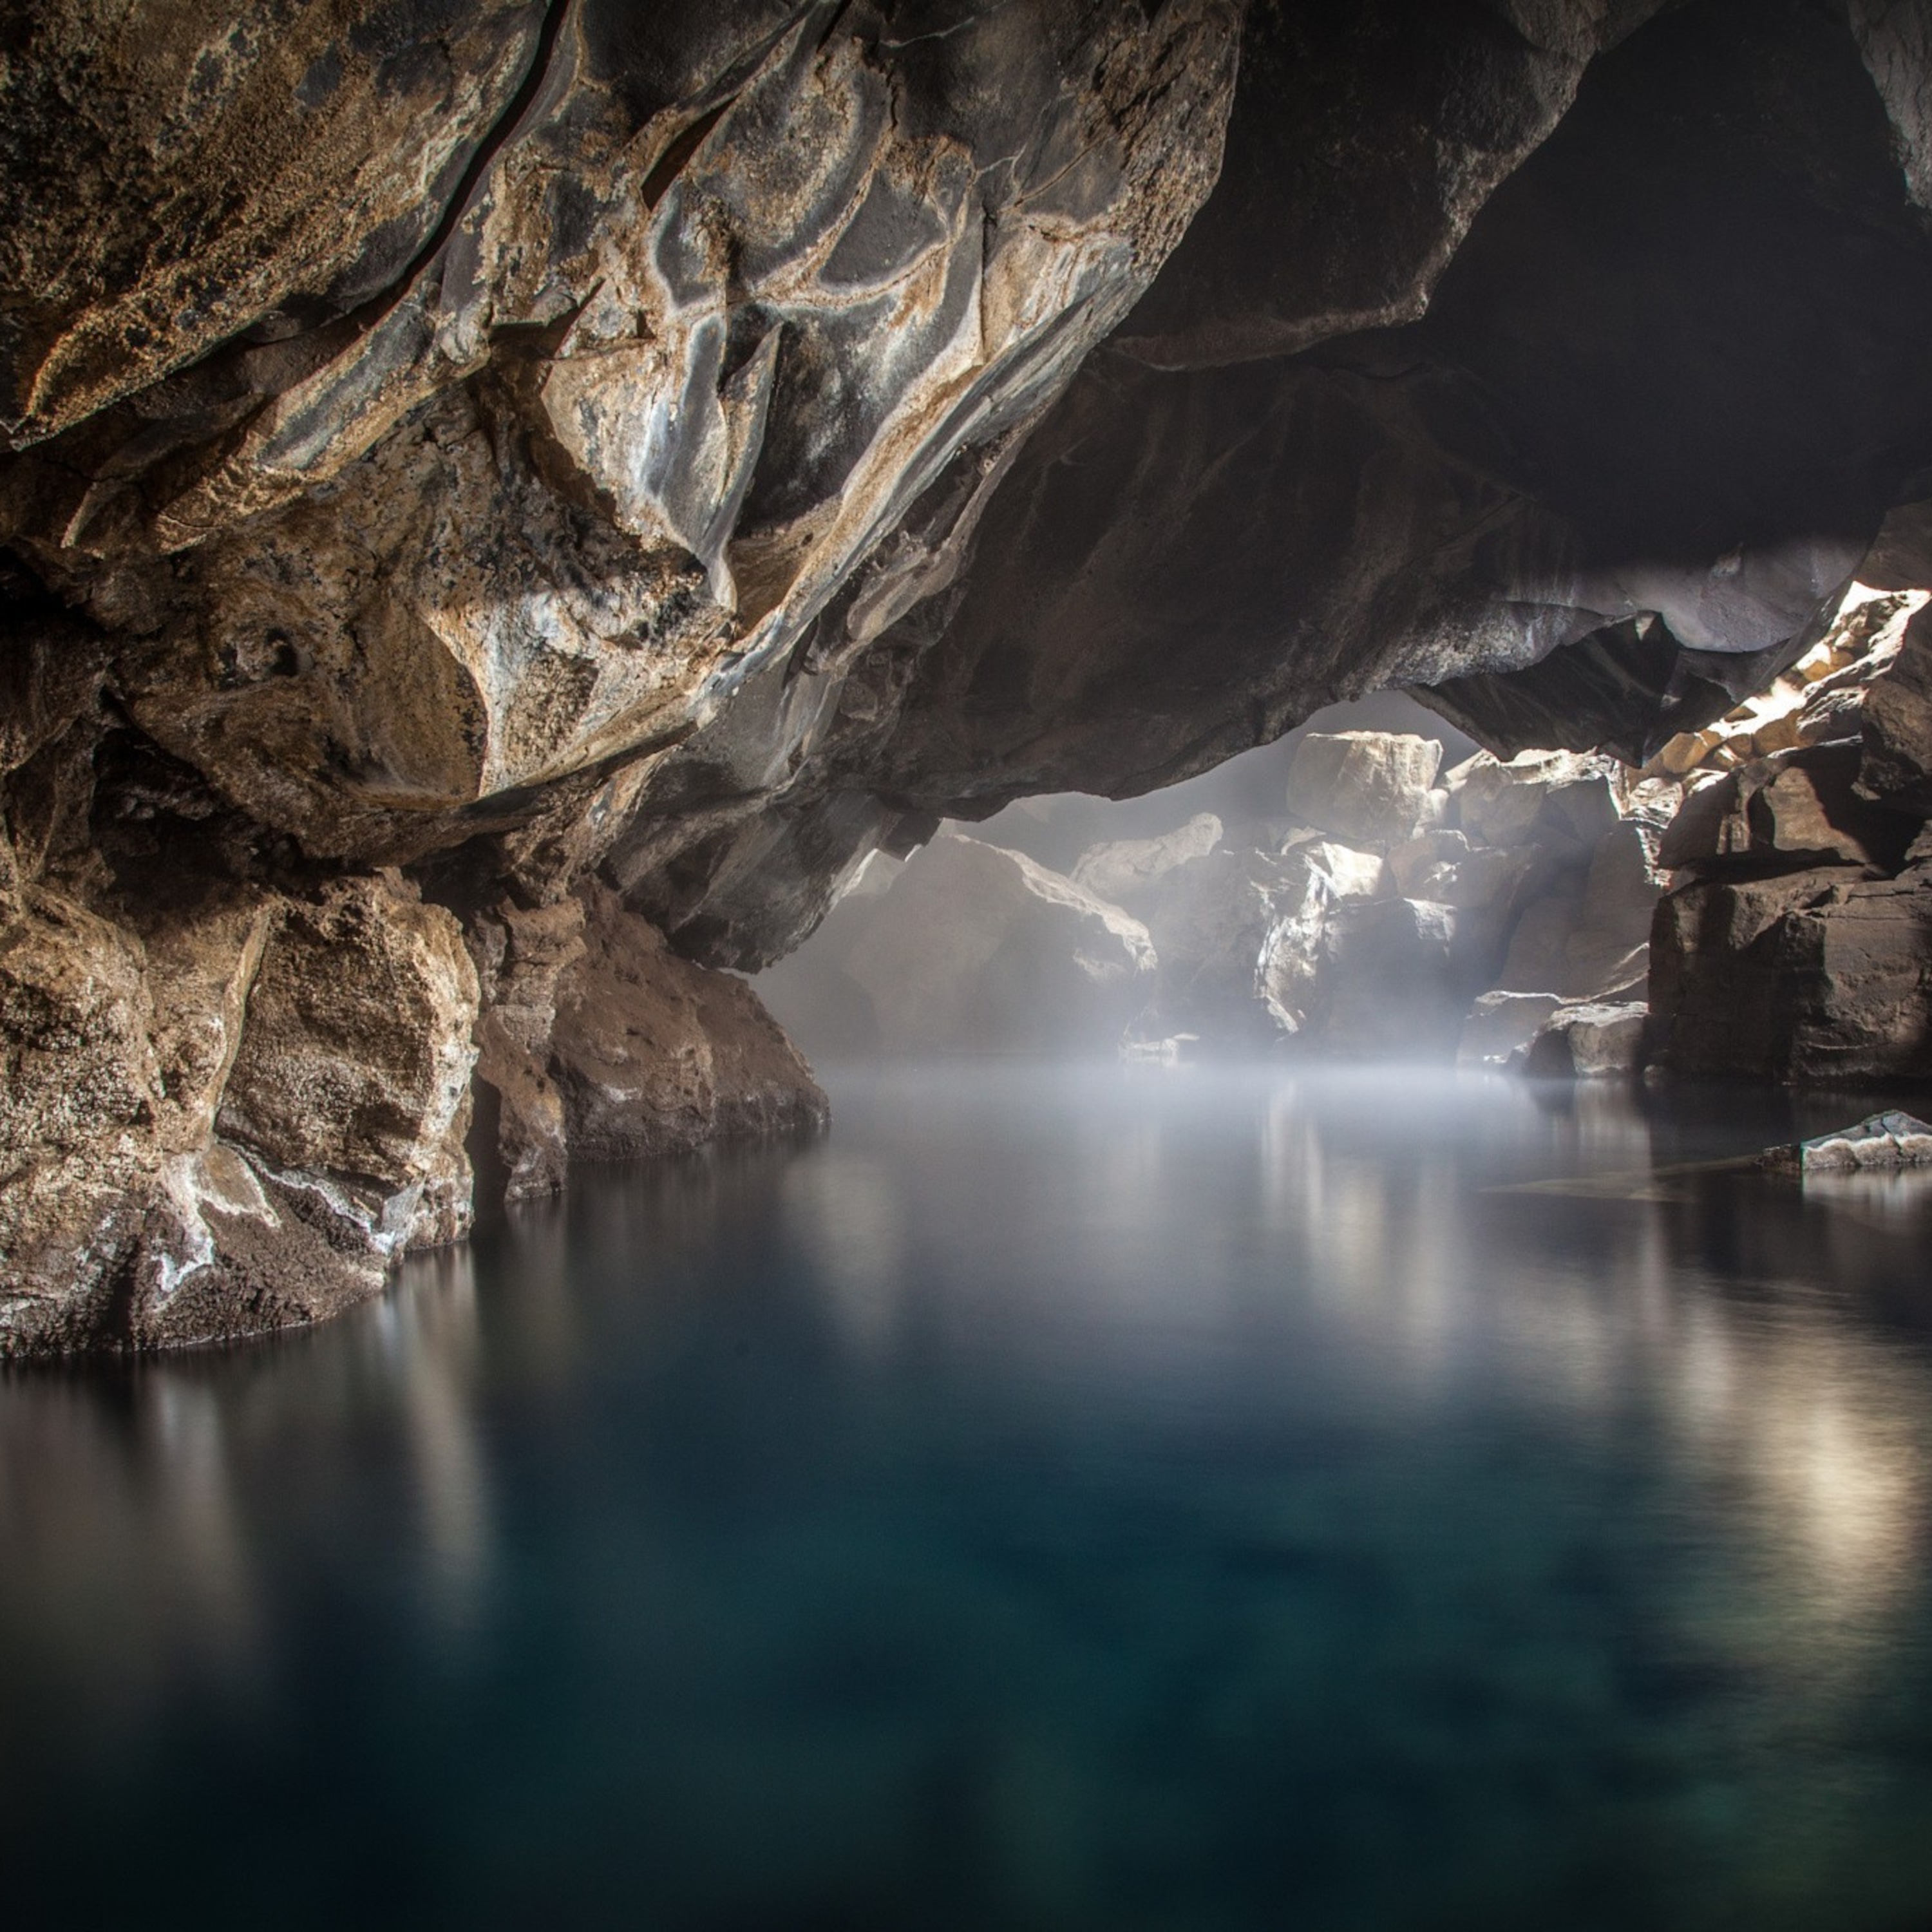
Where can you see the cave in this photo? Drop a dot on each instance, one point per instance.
(725, 670)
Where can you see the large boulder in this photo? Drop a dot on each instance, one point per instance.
(1397, 987)
(1128, 871)
(1558, 796)
(1820, 975)
(1369, 789)
(356, 1057)
(1795, 810)
(1589, 1040)
(263, 1102)
(1293, 969)
(1219, 920)
(1896, 725)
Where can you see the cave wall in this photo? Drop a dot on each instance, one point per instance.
(504, 505)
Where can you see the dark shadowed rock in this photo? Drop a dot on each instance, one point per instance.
(652, 1054)
(1797, 809)
(1896, 722)
(1396, 989)
(1814, 976)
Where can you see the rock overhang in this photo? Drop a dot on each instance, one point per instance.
(580, 454)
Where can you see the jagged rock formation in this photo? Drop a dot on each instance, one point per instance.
(1796, 941)
(540, 393)
(479, 475)
(1128, 871)
(1279, 936)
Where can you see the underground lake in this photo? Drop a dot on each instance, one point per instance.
(1097, 1496)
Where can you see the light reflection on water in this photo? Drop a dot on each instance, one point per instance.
(1093, 1498)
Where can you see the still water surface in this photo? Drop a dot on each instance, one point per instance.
(1111, 1499)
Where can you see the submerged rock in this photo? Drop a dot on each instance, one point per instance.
(1880, 1141)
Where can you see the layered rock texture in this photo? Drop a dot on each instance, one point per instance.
(505, 505)
(1796, 942)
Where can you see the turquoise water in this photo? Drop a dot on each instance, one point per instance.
(1100, 1499)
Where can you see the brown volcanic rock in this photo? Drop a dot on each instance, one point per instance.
(356, 1055)
(334, 1038)
(438, 416)
(1896, 718)
(522, 955)
(1813, 976)
(80, 1098)
(1370, 789)
(652, 1054)
(1795, 810)
(306, 155)
(723, 299)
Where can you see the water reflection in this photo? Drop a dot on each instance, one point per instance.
(1151, 1499)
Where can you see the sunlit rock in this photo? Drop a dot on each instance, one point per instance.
(1130, 870)
(1794, 809)
(1561, 795)
(1316, 880)
(1210, 918)
(1368, 788)
(1896, 725)
(1589, 1040)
